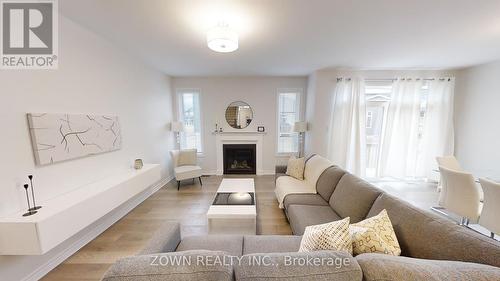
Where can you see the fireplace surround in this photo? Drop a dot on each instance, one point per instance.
(239, 159)
(240, 137)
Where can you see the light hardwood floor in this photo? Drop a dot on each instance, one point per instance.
(188, 206)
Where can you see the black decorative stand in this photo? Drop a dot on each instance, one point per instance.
(30, 212)
(35, 207)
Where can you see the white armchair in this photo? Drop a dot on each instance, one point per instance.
(185, 165)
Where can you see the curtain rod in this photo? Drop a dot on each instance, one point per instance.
(394, 79)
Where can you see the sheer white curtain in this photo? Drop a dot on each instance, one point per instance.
(400, 139)
(438, 131)
(347, 131)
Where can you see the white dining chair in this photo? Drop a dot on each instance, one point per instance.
(185, 165)
(491, 206)
(462, 195)
(451, 163)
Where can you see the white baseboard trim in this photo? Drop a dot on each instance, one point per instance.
(260, 173)
(95, 230)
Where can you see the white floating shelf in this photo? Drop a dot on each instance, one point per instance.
(64, 216)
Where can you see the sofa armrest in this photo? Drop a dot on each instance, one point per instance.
(386, 267)
(165, 239)
(280, 170)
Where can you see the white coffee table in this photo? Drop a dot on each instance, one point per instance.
(234, 219)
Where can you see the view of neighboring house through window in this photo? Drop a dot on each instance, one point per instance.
(190, 114)
(378, 98)
(288, 114)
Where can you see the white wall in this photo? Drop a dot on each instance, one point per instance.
(259, 92)
(321, 85)
(93, 77)
(477, 119)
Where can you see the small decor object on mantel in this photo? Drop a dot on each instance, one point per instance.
(261, 129)
(138, 164)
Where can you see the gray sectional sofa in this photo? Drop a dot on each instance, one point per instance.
(433, 248)
(421, 233)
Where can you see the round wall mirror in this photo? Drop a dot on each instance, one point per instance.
(239, 114)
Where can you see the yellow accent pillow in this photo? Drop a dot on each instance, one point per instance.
(328, 236)
(374, 235)
(296, 167)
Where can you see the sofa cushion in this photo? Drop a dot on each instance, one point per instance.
(187, 172)
(423, 234)
(176, 266)
(384, 267)
(232, 244)
(301, 216)
(328, 181)
(288, 185)
(293, 266)
(270, 244)
(304, 199)
(353, 197)
(314, 168)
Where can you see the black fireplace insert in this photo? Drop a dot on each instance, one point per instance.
(239, 159)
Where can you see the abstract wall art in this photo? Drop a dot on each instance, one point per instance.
(60, 137)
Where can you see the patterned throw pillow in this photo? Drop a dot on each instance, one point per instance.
(329, 236)
(296, 167)
(374, 235)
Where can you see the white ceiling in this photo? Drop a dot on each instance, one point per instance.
(296, 37)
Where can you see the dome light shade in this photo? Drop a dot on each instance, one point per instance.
(222, 39)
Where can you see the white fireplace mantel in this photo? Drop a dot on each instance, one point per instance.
(256, 138)
(239, 133)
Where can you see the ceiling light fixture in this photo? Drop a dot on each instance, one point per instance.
(222, 39)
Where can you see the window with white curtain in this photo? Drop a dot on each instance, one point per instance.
(417, 127)
(378, 97)
(189, 112)
(288, 114)
(391, 127)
